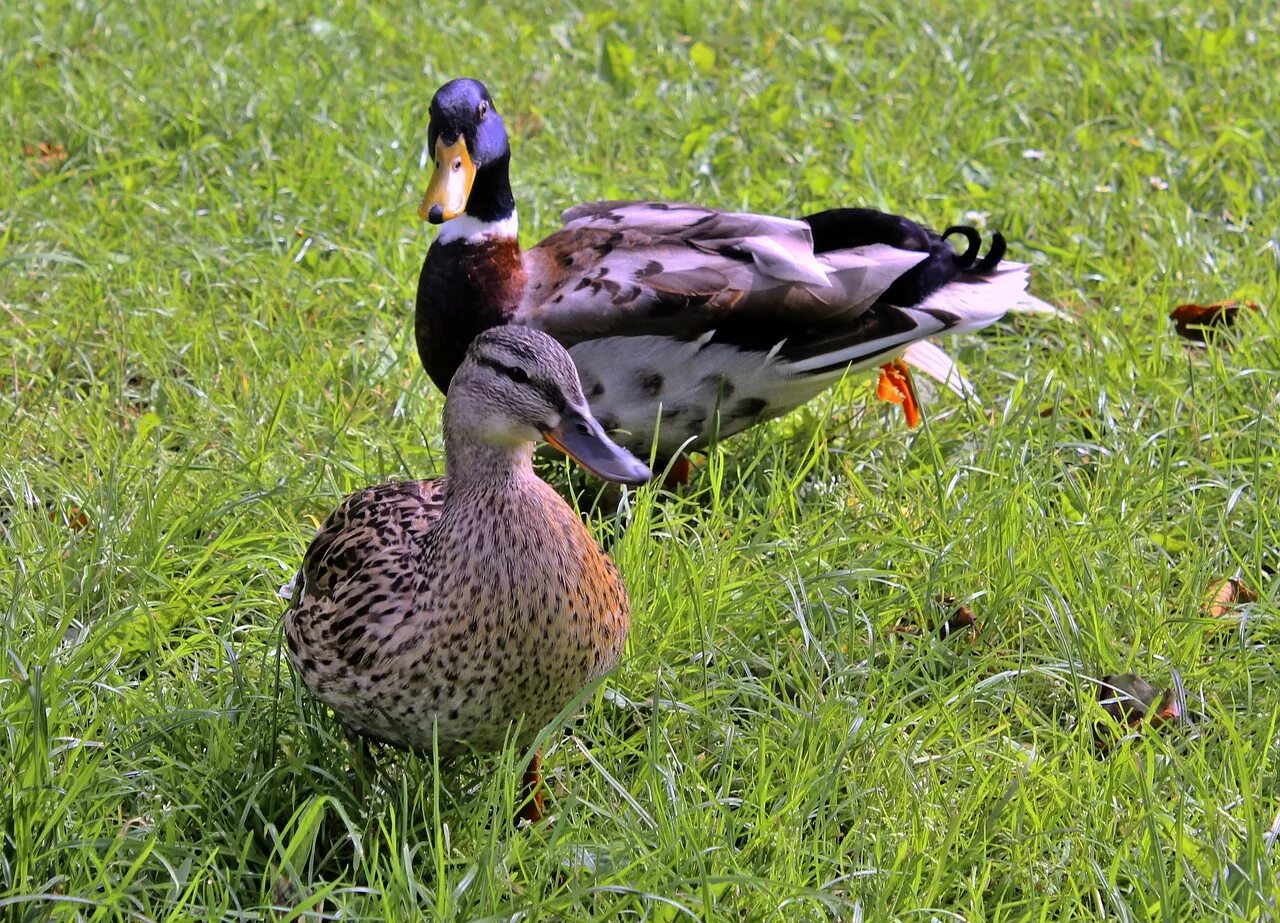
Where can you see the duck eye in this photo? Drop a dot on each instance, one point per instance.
(518, 375)
(482, 108)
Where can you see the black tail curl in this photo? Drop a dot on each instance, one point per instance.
(968, 261)
(840, 228)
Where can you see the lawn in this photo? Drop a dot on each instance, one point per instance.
(208, 251)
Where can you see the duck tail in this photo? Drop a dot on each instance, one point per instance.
(978, 298)
(968, 262)
(973, 300)
(970, 266)
(848, 228)
(948, 291)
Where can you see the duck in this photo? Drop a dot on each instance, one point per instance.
(454, 614)
(690, 324)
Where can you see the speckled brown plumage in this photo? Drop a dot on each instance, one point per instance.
(459, 608)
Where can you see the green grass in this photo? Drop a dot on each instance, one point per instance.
(208, 341)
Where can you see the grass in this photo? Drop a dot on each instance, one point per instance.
(209, 342)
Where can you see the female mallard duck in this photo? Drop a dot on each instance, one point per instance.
(687, 323)
(472, 607)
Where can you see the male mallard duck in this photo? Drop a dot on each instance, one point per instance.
(687, 323)
(459, 608)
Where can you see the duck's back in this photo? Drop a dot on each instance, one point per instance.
(415, 622)
(687, 323)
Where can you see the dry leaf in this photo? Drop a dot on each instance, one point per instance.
(1222, 600)
(1129, 700)
(1126, 697)
(77, 519)
(47, 151)
(1225, 595)
(1169, 710)
(961, 617)
(526, 124)
(956, 618)
(1196, 322)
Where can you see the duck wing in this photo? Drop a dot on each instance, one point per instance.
(654, 268)
(373, 535)
(688, 323)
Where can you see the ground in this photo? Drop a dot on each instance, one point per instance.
(208, 250)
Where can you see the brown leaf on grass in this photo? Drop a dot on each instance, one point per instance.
(1225, 595)
(1126, 697)
(1130, 700)
(47, 151)
(954, 618)
(960, 617)
(1222, 603)
(1168, 711)
(1197, 322)
(526, 124)
(77, 519)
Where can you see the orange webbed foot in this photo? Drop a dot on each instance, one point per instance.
(896, 387)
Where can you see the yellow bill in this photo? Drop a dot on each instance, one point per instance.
(446, 195)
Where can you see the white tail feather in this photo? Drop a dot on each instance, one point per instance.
(974, 303)
(1030, 304)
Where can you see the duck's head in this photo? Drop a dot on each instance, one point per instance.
(467, 140)
(517, 385)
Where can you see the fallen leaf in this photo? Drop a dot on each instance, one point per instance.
(1169, 709)
(1225, 595)
(1050, 409)
(1126, 697)
(47, 151)
(954, 618)
(526, 124)
(1222, 602)
(1196, 322)
(960, 617)
(1129, 700)
(76, 518)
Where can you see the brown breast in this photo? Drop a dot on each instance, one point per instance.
(465, 288)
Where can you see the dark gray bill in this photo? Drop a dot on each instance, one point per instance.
(579, 436)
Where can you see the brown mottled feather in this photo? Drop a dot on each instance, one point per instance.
(418, 608)
(468, 611)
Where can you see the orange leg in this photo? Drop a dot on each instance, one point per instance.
(896, 387)
(531, 807)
